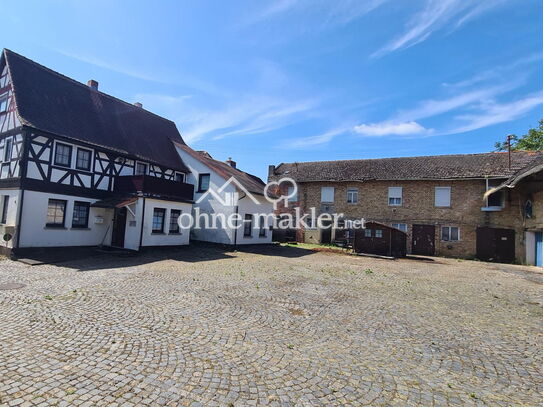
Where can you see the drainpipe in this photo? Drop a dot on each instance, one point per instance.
(23, 170)
(141, 228)
(236, 229)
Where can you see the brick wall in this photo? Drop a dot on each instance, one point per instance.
(418, 207)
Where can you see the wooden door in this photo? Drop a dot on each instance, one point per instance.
(497, 245)
(423, 240)
(326, 232)
(119, 227)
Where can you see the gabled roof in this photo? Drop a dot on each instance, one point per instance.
(534, 167)
(250, 182)
(49, 101)
(439, 167)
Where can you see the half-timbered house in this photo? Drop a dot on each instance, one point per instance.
(80, 167)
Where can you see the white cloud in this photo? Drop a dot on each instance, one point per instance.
(391, 129)
(494, 113)
(328, 12)
(436, 15)
(314, 141)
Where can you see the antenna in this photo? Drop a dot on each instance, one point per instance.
(509, 137)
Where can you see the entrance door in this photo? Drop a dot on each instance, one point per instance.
(423, 240)
(326, 233)
(119, 227)
(539, 249)
(495, 244)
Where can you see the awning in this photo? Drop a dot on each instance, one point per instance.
(114, 202)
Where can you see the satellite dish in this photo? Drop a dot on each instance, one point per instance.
(7, 237)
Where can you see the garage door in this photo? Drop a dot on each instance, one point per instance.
(497, 245)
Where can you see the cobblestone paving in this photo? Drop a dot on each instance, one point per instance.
(201, 327)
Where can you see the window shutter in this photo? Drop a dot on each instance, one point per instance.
(443, 196)
(327, 194)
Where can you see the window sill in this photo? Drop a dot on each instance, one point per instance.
(78, 228)
(158, 233)
(175, 233)
(442, 207)
(83, 169)
(492, 208)
(55, 227)
(450, 241)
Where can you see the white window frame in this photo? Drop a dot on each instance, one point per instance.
(449, 228)
(436, 189)
(146, 168)
(352, 193)
(323, 189)
(4, 150)
(393, 194)
(4, 97)
(293, 198)
(396, 226)
(182, 176)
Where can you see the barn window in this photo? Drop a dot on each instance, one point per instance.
(450, 234)
(63, 155)
(158, 220)
(327, 194)
(83, 159)
(400, 226)
(80, 217)
(8, 146)
(395, 196)
(56, 213)
(179, 177)
(443, 197)
(248, 226)
(378, 233)
(367, 232)
(352, 195)
(174, 225)
(203, 182)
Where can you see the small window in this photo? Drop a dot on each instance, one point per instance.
(262, 226)
(327, 194)
(63, 155)
(56, 213)
(174, 225)
(292, 197)
(497, 199)
(5, 207)
(203, 182)
(158, 220)
(352, 195)
(80, 217)
(83, 159)
(141, 169)
(179, 177)
(367, 232)
(395, 196)
(3, 103)
(248, 226)
(378, 233)
(400, 226)
(450, 234)
(8, 147)
(443, 197)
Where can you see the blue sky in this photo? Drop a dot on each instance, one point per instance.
(298, 80)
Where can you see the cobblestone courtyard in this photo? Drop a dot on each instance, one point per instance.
(203, 327)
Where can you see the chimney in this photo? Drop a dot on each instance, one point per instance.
(138, 104)
(92, 84)
(230, 162)
(271, 170)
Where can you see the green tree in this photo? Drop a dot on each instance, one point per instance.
(533, 140)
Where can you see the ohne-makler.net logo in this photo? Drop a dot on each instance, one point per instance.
(228, 198)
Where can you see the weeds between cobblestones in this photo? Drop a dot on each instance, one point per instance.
(280, 328)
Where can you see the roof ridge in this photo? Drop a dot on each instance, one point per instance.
(62, 76)
(535, 152)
